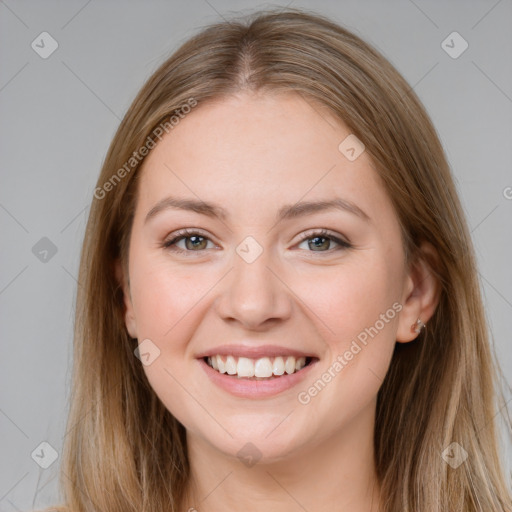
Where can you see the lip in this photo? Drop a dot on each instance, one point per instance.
(247, 388)
(254, 352)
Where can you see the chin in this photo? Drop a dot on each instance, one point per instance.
(260, 447)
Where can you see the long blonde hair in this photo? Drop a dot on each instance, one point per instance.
(123, 450)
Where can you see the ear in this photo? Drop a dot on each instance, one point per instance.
(129, 315)
(421, 293)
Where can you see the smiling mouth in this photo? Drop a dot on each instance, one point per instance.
(264, 368)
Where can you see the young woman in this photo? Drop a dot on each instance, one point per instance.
(280, 306)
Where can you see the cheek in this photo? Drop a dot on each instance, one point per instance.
(353, 297)
(358, 314)
(358, 308)
(167, 306)
(165, 299)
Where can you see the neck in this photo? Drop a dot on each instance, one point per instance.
(335, 473)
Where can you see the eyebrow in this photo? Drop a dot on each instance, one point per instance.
(286, 212)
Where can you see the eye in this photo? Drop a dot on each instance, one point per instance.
(195, 241)
(320, 240)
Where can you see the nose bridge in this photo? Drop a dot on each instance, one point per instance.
(254, 294)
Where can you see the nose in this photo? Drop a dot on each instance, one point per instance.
(254, 294)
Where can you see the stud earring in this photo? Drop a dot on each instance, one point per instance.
(418, 326)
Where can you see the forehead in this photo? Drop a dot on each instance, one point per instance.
(258, 151)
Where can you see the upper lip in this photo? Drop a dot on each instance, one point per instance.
(253, 351)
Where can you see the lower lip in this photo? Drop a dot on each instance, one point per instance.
(248, 388)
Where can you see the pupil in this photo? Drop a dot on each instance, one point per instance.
(316, 239)
(197, 241)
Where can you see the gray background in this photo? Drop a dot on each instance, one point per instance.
(58, 115)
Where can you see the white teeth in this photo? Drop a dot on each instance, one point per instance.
(231, 365)
(245, 367)
(289, 366)
(278, 368)
(263, 367)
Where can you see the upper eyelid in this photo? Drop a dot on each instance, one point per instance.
(186, 232)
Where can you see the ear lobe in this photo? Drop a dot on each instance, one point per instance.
(421, 293)
(129, 314)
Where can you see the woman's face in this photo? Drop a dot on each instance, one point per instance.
(255, 281)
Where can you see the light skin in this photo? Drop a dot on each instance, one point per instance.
(252, 154)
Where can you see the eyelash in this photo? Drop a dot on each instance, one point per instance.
(186, 233)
